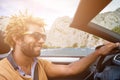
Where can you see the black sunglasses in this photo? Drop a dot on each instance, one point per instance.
(37, 35)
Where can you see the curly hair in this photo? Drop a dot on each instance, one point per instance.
(18, 25)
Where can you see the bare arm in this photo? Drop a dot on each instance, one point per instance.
(54, 70)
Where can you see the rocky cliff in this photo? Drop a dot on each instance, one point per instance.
(61, 35)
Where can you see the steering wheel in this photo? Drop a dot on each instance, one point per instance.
(104, 61)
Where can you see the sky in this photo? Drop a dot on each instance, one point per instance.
(49, 10)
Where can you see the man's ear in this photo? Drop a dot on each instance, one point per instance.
(16, 39)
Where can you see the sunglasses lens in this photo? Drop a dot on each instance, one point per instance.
(38, 36)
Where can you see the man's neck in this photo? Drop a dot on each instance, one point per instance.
(24, 62)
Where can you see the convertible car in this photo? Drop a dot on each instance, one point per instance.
(106, 67)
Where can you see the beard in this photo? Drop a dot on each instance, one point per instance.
(30, 49)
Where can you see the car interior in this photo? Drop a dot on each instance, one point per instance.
(86, 11)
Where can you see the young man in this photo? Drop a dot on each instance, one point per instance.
(26, 35)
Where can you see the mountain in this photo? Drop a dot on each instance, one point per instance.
(61, 35)
(3, 22)
(108, 19)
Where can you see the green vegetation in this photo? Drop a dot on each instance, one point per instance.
(96, 37)
(83, 46)
(75, 45)
(49, 47)
(116, 29)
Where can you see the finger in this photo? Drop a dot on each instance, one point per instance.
(109, 47)
(118, 45)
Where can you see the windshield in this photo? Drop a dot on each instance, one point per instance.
(58, 15)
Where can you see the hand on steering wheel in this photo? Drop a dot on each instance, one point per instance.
(107, 48)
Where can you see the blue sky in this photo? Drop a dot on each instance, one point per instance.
(47, 9)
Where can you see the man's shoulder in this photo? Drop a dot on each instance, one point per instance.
(3, 61)
(3, 65)
(5, 69)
